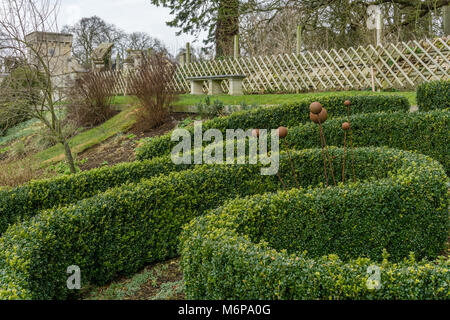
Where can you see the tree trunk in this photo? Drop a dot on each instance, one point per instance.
(69, 157)
(227, 27)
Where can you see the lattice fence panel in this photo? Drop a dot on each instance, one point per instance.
(402, 65)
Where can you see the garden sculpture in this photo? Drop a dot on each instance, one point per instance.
(348, 103)
(319, 115)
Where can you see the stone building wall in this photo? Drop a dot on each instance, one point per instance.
(55, 48)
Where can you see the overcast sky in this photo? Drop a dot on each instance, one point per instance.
(129, 15)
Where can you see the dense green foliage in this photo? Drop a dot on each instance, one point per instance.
(433, 95)
(318, 243)
(125, 228)
(223, 264)
(18, 92)
(25, 201)
(423, 132)
(273, 117)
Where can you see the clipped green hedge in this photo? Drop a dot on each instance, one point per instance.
(423, 132)
(25, 201)
(318, 243)
(433, 95)
(426, 133)
(221, 263)
(128, 227)
(274, 117)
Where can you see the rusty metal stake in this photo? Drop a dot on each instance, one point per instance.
(343, 168)
(351, 145)
(323, 155)
(292, 165)
(328, 155)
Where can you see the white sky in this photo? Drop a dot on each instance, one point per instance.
(128, 15)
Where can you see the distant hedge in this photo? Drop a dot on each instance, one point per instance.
(318, 243)
(125, 228)
(284, 115)
(433, 95)
(424, 132)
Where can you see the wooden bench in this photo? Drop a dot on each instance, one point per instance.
(214, 84)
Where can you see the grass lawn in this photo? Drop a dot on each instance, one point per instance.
(270, 99)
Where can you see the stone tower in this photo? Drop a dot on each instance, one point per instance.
(55, 48)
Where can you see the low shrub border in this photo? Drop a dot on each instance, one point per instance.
(433, 95)
(125, 228)
(284, 115)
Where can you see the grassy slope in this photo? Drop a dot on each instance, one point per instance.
(119, 123)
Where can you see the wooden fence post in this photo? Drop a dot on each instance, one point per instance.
(117, 62)
(236, 46)
(188, 53)
(447, 20)
(299, 39)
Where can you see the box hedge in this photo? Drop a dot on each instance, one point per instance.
(434, 95)
(318, 243)
(284, 115)
(25, 201)
(128, 227)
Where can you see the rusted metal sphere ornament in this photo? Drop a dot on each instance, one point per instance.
(255, 133)
(282, 132)
(347, 103)
(315, 107)
(320, 118)
(346, 126)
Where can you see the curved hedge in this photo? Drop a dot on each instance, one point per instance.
(254, 247)
(125, 228)
(25, 201)
(284, 115)
(225, 265)
(433, 95)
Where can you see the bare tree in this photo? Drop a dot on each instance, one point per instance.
(269, 27)
(89, 33)
(27, 28)
(152, 86)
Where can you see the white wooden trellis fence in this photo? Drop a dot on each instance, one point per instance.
(402, 65)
